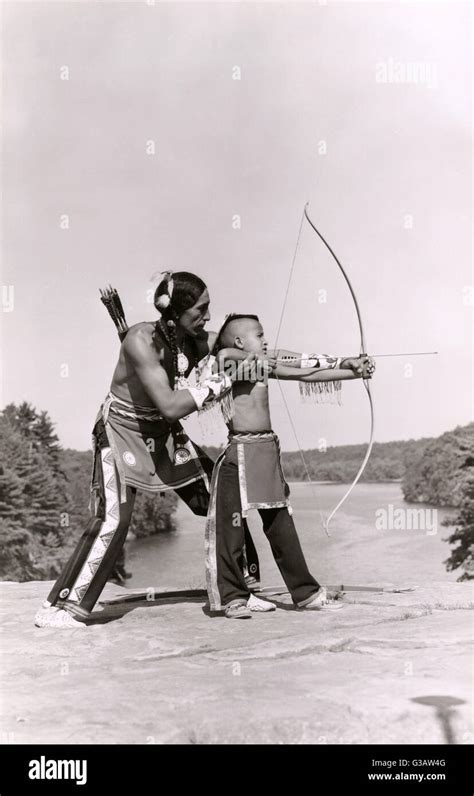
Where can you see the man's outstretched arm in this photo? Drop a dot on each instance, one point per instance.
(172, 404)
(146, 362)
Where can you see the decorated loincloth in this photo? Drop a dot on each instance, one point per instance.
(261, 480)
(142, 445)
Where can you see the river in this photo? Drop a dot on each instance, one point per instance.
(357, 552)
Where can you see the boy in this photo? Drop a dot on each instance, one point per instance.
(248, 475)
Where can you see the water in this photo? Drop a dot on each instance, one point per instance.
(356, 554)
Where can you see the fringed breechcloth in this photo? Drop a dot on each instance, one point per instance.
(133, 450)
(248, 475)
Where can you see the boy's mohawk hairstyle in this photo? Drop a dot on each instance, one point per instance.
(232, 316)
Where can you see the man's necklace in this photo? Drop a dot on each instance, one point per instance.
(180, 380)
(182, 454)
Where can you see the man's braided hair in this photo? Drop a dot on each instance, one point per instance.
(187, 288)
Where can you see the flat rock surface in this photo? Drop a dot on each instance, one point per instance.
(164, 671)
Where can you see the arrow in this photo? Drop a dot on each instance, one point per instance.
(409, 354)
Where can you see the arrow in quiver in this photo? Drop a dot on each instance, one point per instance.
(111, 300)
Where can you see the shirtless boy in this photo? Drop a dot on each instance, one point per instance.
(248, 475)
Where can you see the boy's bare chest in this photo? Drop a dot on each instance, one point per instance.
(250, 396)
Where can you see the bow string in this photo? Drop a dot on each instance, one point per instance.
(363, 352)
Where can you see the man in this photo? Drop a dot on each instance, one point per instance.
(139, 443)
(249, 475)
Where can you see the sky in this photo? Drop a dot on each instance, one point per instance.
(140, 137)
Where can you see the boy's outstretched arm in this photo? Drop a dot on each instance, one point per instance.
(292, 359)
(298, 359)
(312, 374)
(337, 374)
(349, 368)
(284, 372)
(319, 367)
